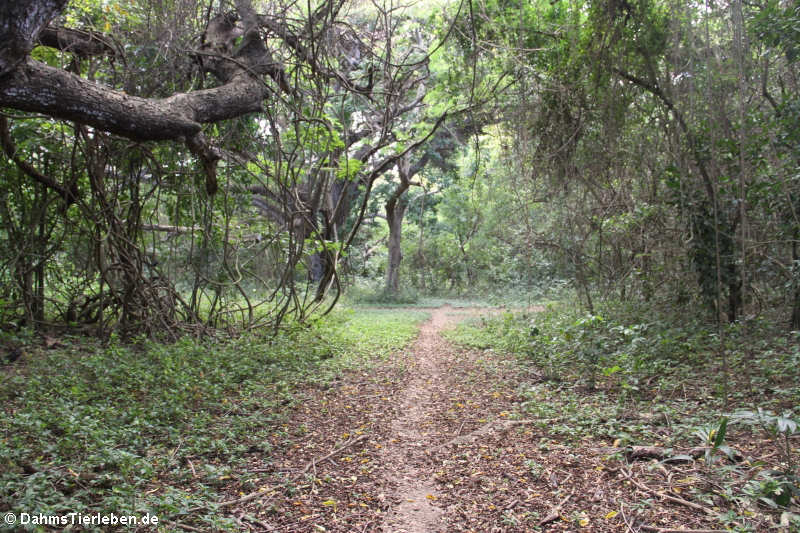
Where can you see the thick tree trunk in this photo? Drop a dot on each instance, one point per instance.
(395, 211)
(394, 217)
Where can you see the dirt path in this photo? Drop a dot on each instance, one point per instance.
(426, 442)
(390, 427)
(412, 433)
(400, 461)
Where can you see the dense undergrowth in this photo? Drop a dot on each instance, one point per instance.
(159, 428)
(370, 297)
(369, 293)
(632, 376)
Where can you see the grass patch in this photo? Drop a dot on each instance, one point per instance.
(154, 428)
(370, 332)
(367, 294)
(374, 294)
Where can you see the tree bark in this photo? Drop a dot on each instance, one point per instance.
(21, 22)
(39, 88)
(396, 207)
(29, 85)
(395, 212)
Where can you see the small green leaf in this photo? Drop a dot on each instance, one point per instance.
(720, 436)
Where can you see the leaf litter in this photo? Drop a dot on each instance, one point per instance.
(430, 440)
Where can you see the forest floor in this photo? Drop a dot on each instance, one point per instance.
(431, 440)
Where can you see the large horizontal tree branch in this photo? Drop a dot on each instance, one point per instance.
(33, 86)
(42, 89)
(166, 228)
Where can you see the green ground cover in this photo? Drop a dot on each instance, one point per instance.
(629, 376)
(157, 428)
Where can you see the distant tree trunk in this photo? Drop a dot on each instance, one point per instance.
(462, 246)
(582, 281)
(324, 262)
(29, 265)
(420, 250)
(395, 211)
(317, 267)
(25, 281)
(41, 243)
(734, 296)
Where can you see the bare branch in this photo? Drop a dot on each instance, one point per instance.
(78, 42)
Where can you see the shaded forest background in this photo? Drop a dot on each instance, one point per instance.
(173, 165)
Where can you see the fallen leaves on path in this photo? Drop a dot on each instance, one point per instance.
(428, 441)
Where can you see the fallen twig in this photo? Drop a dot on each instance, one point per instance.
(191, 466)
(247, 497)
(667, 455)
(628, 525)
(187, 528)
(555, 512)
(668, 530)
(257, 522)
(673, 499)
(333, 453)
(485, 429)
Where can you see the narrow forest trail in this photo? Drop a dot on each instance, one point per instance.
(415, 432)
(427, 442)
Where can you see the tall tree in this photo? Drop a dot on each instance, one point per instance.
(295, 104)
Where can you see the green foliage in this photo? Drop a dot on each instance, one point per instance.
(773, 489)
(778, 25)
(348, 168)
(376, 294)
(94, 428)
(713, 437)
(657, 381)
(637, 353)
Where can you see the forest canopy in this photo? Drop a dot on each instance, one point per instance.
(188, 163)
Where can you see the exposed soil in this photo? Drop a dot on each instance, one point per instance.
(410, 441)
(428, 442)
